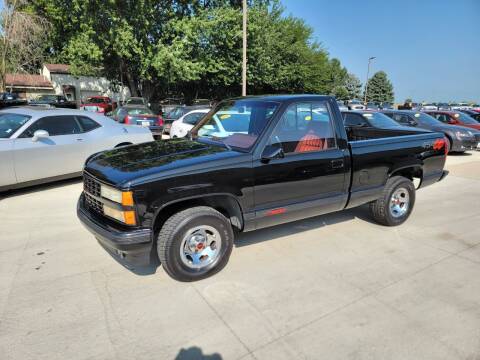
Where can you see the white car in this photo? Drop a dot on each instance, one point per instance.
(184, 124)
(40, 145)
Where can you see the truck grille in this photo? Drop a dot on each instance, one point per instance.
(94, 204)
(90, 185)
(91, 189)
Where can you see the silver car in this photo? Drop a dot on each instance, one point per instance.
(40, 145)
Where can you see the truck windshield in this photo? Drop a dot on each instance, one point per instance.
(9, 123)
(237, 123)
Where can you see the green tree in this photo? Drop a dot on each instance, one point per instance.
(379, 88)
(189, 48)
(353, 87)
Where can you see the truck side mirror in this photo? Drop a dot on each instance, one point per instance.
(40, 134)
(272, 152)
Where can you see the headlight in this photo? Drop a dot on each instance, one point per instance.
(463, 134)
(127, 217)
(121, 197)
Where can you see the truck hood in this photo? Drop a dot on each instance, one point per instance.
(135, 163)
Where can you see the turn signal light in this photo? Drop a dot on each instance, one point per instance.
(129, 217)
(127, 198)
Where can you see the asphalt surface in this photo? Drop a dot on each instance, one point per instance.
(333, 287)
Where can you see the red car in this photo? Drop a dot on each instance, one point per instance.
(98, 104)
(454, 118)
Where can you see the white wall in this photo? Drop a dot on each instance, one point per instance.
(85, 85)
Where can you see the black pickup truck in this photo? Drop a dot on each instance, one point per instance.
(250, 163)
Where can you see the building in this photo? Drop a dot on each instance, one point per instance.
(78, 88)
(28, 86)
(57, 79)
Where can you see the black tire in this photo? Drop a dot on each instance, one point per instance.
(172, 233)
(380, 209)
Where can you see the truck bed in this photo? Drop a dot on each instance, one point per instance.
(375, 155)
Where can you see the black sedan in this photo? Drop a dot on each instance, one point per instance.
(460, 138)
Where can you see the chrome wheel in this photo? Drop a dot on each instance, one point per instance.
(200, 247)
(399, 202)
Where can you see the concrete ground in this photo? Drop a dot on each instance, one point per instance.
(331, 287)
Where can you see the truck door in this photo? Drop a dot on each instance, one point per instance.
(307, 177)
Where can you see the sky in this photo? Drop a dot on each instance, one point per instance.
(429, 49)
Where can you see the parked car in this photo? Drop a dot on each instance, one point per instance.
(182, 126)
(41, 145)
(429, 107)
(372, 106)
(443, 106)
(138, 101)
(286, 158)
(139, 115)
(460, 106)
(342, 106)
(373, 123)
(176, 113)
(11, 99)
(460, 139)
(98, 104)
(355, 105)
(386, 106)
(455, 118)
(473, 114)
(58, 101)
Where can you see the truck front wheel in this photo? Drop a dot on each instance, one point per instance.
(195, 243)
(396, 203)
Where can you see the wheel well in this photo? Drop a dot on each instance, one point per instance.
(224, 204)
(123, 144)
(409, 173)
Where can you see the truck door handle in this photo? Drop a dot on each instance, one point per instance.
(79, 139)
(337, 164)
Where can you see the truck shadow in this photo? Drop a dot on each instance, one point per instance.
(295, 227)
(267, 234)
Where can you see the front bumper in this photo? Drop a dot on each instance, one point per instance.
(464, 145)
(133, 246)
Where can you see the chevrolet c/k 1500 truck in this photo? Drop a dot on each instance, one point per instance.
(250, 163)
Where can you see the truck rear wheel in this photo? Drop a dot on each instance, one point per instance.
(195, 243)
(396, 203)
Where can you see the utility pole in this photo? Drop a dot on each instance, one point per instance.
(366, 81)
(244, 63)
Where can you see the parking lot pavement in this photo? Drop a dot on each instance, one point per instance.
(333, 287)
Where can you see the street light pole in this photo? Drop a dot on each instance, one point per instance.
(366, 81)
(244, 63)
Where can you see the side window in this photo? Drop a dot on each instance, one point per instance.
(305, 127)
(193, 119)
(55, 126)
(354, 120)
(401, 118)
(87, 123)
(440, 117)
